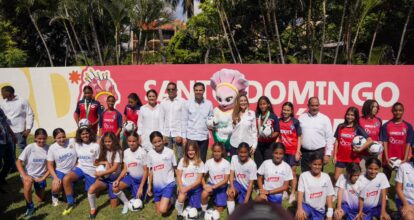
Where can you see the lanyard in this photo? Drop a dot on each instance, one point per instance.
(87, 108)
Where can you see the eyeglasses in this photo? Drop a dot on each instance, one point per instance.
(171, 90)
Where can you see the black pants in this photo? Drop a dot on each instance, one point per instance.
(203, 146)
(305, 161)
(262, 153)
(8, 160)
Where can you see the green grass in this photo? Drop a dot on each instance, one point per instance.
(12, 203)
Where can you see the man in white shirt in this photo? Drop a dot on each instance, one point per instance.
(171, 122)
(195, 115)
(317, 134)
(19, 113)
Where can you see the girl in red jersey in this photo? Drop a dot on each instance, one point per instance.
(344, 153)
(88, 108)
(396, 136)
(290, 133)
(369, 120)
(131, 111)
(111, 119)
(268, 130)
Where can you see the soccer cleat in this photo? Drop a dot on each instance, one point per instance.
(92, 214)
(29, 212)
(55, 203)
(125, 210)
(68, 210)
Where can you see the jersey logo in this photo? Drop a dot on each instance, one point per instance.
(315, 195)
(273, 179)
(221, 176)
(159, 167)
(134, 164)
(189, 175)
(241, 175)
(374, 193)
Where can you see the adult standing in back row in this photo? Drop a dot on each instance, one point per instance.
(171, 112)
(317, 137)
(195, 114)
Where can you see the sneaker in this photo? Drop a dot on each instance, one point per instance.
(285, 195)
(92, 214)
(292, 198)
(68, 210)
(125, 209)
(29, 212)
(55, 202)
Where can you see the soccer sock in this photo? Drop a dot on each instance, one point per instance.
(204, 207)
(122, 197)
(92, 201)
(230, 206)
(29, 205)
(70, 199)
(180, 207)
(55, 197)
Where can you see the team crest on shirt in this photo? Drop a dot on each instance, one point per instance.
(378, 185)
(102, 83)
(166, 159)
(292, 127)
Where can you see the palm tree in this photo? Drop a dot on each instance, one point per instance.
(26, 5)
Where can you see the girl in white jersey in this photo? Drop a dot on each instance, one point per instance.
(34, 172)
(87, 151)
(373, 196)
(110, 155)
(189, 174)
(61, 159)
(315, 190)
(161, 181)
(405, 189)
(243, 172)
(274, 176)
(348, 193)
(218, 171)
(135, 172)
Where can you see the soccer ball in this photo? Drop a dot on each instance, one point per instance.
(267, 130)
(190, 213)
(395, 162)
(84, 123)
(358, 141)
(129, 126)
(376, 148)
(212, 214)
(135, 205)
(101, 168)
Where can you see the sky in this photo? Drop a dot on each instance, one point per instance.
(179, 11)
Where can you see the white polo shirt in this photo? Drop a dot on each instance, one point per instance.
(316, 132)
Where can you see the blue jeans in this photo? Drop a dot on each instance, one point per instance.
(21, 140)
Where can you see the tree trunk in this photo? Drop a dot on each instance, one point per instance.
(403, 33)
(340, 31)
(308, 32)
(269, 53)
(116, 45)
(206, 55)
(226, 36)
(231, 36)
(164, 60)
(374, 36)
(323, 30)
(70, 39)
(95, 36)
(41, 36)
(279, 43)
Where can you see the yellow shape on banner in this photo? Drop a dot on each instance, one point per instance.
(31, 98)
(61, 94)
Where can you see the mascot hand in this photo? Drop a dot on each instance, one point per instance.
(210, 122)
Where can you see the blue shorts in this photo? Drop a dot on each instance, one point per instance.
(59, 174)
(241, 192)
(109, 183)
(350, 213)
(38, 185)
(89, 180)
(399, 204)
(194, 197)
(220, 196)
(341, 164)
(134, 186)
(275, 198)
(291, 160)
(312, 214)
(370, 213)
(167, 192)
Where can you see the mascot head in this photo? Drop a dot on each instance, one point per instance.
(228, 84)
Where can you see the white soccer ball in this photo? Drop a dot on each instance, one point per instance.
(376, 148)
(84, 123)
(190, 213)
(101, 168)
(212, 214)
(395, 162)
(358, 141)
(267, 131)
(129, 126)
(135, 205)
